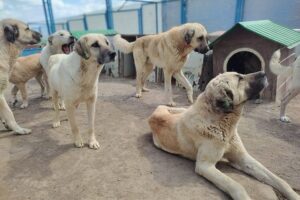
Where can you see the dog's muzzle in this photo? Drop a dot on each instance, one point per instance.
(257, 82)
(106, 57)
(202, 50)
(36, 37)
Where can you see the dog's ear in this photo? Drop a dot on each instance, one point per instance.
(188, 36)
(11, 32)
(225, 102)
(82, 49)
(50, 39)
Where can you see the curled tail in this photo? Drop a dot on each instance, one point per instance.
(123, 45)
(275, 65)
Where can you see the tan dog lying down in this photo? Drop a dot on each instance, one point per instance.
(207, 132)
(25, 69)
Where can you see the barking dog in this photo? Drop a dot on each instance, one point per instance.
(60, 42)
(14, 36)
(278, 69)
(168, 50)
(207, 132)
(74, 78)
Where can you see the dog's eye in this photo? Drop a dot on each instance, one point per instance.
(240, 77)
(27, 29)
(107, 42)
(61, 34)
(200, 38)
(95, 44)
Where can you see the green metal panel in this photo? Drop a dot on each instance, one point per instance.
(269, 30)
(107, 32)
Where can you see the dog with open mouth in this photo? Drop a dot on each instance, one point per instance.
(60, 42)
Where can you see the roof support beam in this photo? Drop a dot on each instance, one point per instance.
(109, 15)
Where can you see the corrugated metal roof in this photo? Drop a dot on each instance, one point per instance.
(269, 30)
(107, 32)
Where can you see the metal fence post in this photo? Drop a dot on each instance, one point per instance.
(140, 20)
(183, 9)
(85, 24)
(109, 15)
(239, 11)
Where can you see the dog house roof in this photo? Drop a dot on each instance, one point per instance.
(267, 29)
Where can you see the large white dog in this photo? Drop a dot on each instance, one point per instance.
(278, 69)
(14, 36)
(74, 78)
(60, 42)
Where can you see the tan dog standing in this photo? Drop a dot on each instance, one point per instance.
(14, 36)
(207, 132)
(25, 69)
(74, 79)
(168, 50)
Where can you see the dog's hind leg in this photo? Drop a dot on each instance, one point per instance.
(179, 76)
(56, 120)
(70, 108)
(7, 115)
(14, 92)
(23, 91)
(140, 62)
(207, 157)
(46, 94)
(146, 72)
(285, 102)
(240, 159)
(39, 79)
(91, 106)
(168, 88)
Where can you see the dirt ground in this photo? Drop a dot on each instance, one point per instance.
(45, 165)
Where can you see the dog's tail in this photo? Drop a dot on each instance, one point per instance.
(123, 45)
(275, 65)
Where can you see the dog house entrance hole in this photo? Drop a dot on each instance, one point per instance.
(244, 62)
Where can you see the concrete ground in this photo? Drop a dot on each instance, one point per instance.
(45, 165)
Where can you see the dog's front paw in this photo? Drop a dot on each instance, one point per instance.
(56, 124)
(79, 143)
(23, 131)
(24, 105)
(94, 144)
(285, 119)
(171, 104)
(138, 95)
(61, 107)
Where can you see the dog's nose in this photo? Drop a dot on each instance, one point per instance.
(112, 55)
(72, 38)
(260, 74)
(36, 35)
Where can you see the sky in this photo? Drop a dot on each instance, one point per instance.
(32, 10)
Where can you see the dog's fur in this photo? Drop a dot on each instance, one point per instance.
(14, 36)
(207, 132)
(74, 78)
(25, 69)
(278, 69)
(60, 42)
(168, 50)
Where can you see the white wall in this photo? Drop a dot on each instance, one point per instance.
(149, 19)
(76, 25)
(96, 22)
(126, 22)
